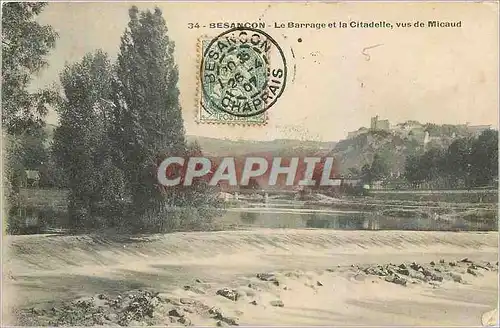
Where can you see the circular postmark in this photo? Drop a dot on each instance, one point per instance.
(243, 72)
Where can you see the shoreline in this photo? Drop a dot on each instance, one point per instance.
(45, 270)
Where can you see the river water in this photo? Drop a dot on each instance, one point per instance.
(293, 216)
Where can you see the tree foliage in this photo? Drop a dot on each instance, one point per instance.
(150, 114)
(25, 46)
(467, 162)
(80, 143)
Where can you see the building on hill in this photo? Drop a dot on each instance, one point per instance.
(377, 125)
(354, 134)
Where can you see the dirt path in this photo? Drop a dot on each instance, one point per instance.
(45, 270)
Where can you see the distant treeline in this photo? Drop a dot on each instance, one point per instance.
(468, 162)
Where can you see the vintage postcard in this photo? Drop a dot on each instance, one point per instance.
(250, 163)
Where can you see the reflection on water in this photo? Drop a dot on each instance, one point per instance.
(345, 220)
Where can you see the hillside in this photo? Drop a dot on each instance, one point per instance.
(395, 145)
(278, 147)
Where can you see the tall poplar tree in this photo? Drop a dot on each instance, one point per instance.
(149, 114)
(81, 141)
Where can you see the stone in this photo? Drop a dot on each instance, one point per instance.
(229, 294)
(187, 301)
(472, 272)
(432, 263)
(417, 275)
(266, 276)
(277, 303)
(254, 302)
(403, 271)
(193, 289)
(456, 277)
(185, 321)
(396, 280)
(436, 277)
(318, 283)
(176, 313)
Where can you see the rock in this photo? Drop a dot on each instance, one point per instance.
(215, 311)
(441, 261)
(426, 272)
(222, 324)
(111, 317)
(472, 272)
(318, 283)
(415, 266)
(253, 286)
(187, 301)
(102, 297)
(456, 277)
(486, 267)
(229, 294)
(432, 263)
(193, 289)
(254, 302)
(185, 321)
(175, 302)
(199, 281)
(188, 310)
(176, 313)
(403, 271)
(396, 280)
(232, 321)
(465, 260)
(37, 311)
(277, 303)
(436, 277)
(268, 277)
(453, 263)
(417, 275)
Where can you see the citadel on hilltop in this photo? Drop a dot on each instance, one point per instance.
(419, 131)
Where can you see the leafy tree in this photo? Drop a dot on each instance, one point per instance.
(467, 162)
(80, 142)
(456, 164)
(150, 115)
(25, 45)
(484, 158)
(413, 171)
(378, 170)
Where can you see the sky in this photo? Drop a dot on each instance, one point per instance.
(339, 78)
